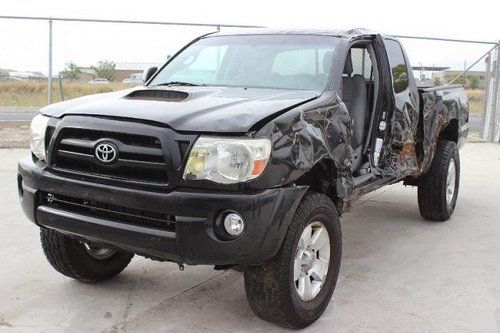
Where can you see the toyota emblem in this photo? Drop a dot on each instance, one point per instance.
(106, 152)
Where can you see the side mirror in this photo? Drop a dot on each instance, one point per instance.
(148, 73)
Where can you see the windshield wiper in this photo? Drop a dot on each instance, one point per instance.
(179, 83)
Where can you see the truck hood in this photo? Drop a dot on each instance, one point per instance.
(198, 109)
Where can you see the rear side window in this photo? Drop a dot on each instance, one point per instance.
(361, 62)
(398, 65)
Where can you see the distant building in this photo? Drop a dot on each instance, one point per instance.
(4, 74)
(14, 75)
(423, 74)
(125, 70)
(86, 74)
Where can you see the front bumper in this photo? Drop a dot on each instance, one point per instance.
(267, 215)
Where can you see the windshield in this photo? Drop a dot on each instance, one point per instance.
(268, 61)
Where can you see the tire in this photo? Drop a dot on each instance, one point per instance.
(73, 258)
(433, 202)
(271, 288)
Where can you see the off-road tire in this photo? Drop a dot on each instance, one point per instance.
(69, 257)
(432, 186)
(270, 289)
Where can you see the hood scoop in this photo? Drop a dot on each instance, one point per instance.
(158, 95)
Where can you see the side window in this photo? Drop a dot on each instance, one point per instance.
(398, 65)
(361, 62)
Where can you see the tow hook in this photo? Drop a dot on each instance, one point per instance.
(181, 266)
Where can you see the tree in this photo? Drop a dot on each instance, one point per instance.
(71, 71)
(436, 81)
(105, 69)
(400, 77)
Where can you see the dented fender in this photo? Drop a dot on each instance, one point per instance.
(320, 129)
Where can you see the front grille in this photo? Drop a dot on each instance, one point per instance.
(140, 157)
(116, 213)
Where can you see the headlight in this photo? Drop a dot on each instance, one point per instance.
(227, 160)
(38, 129)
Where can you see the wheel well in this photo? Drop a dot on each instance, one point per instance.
(450, 132)
(322, 179)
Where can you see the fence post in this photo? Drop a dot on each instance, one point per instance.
(49, 75)
(485, 118)
(61, 91)
(495, 114)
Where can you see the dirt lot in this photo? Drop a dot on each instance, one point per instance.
(14, 134)
(399, 272)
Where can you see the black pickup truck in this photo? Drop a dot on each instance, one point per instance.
(242, 151)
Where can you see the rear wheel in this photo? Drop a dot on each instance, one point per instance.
(294, 288)
(438, 187)
(80, 260)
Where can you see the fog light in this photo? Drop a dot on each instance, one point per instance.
(234, 224)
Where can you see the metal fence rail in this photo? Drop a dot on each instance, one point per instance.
(475, 64)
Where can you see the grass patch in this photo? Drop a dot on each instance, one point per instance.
(35, 93)
(476, 100)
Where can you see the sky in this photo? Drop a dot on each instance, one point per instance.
(24, 43)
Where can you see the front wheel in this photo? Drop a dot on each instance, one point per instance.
(81, 260)
(438, 187)
(294, 288)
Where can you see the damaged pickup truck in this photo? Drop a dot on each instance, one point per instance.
(242, 150)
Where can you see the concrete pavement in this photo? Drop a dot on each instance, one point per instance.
(399, 273)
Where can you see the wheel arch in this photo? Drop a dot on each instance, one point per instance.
(450, 131)
(322, 178)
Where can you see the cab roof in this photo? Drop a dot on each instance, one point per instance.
(343, 33)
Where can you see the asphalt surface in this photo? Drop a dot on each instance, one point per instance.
(399, 272)
(17, 113)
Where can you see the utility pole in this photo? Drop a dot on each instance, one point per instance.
(49, 76)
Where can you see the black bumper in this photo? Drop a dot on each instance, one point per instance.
(267, 215)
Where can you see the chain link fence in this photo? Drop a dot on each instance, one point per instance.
(472, 64)
(78, 57)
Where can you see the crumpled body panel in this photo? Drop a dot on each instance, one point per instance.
(321, 129)
(440, 106)
(400, 157)
(304, 136)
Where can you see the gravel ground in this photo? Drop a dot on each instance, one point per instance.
(14, 134)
